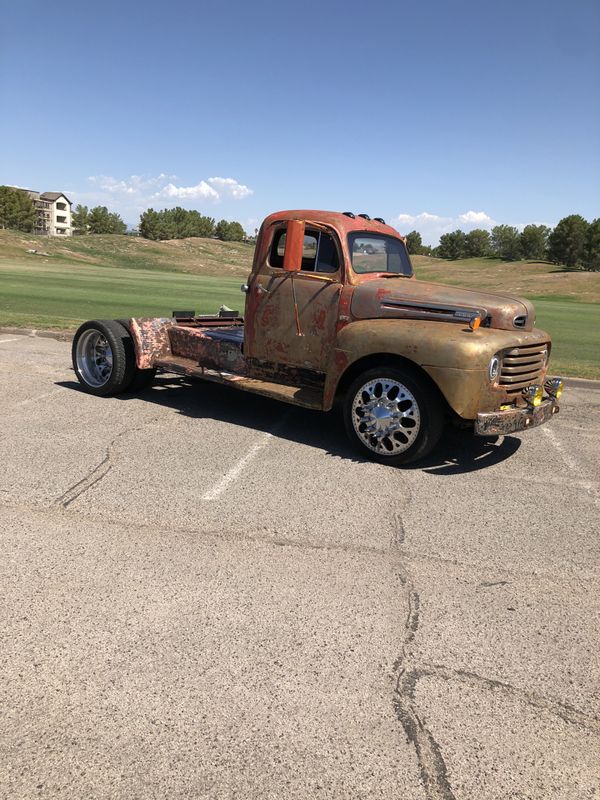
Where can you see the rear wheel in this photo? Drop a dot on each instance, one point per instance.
(392, 416)
(103, 357)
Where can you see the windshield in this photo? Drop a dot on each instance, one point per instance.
(377, 253)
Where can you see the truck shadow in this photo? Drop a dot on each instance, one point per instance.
(458, 452)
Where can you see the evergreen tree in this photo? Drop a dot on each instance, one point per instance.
(478, 243)
(592, 247)
(452, 245)
(175, 223)
(80, 219)
(229, 231)
(414, 243)
(534, 241)
(101, 220)
(16, 209)
(506, 242)
(567, 242)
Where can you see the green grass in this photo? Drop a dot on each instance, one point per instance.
(117, 276)
(575, 331)
(61, 297)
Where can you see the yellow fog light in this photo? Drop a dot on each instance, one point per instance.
(533, 395)
(554, 387)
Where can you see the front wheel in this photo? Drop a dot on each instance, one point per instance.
(392, 415)
(103, 357)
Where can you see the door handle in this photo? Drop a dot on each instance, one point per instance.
(260, 288)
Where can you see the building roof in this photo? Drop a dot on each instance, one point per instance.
(54, 196)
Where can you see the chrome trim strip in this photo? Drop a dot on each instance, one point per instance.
(421, 310)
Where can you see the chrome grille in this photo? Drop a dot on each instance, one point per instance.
(522, 366)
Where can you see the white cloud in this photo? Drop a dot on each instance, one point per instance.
(200, 191)
(132, 195)
(135, 184)
(211, 189)
(432, 226)
(479, 218)
(229, 186)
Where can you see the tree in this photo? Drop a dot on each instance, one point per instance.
(452, 245)
(101, 220)
(478, 243)
(229, 231)
(506, 242)
(197, 225)
(567, 242)
(80, 218)
(534, 241)
(149, 224)
(16, 209)
(592, 247)
(175, 223)
(414, 243)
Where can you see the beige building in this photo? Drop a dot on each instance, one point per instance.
(53, 213)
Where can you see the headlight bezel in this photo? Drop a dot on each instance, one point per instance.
(494, 368)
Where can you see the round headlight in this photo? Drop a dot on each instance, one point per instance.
(494, 368)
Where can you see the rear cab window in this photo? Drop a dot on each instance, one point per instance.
(378, 253)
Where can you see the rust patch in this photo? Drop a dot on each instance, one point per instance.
(319, 318)
(151, 339)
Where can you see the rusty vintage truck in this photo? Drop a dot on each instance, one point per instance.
(333, 312)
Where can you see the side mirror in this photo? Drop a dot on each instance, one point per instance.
(294, 245)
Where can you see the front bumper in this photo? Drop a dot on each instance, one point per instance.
(498, 423)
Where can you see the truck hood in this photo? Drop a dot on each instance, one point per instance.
(412, 299)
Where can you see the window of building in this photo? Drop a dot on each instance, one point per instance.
(319, 253)
(61, 219)
(61, 206)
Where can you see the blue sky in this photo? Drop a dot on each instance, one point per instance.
(434, 115)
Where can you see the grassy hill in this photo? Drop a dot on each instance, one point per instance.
(119, 276)
(528, 278)
(197, 256)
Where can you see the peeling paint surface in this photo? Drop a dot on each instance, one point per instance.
(305, 329)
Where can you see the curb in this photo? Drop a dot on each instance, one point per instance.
(581, 383)
(67, 336)
(62, 336)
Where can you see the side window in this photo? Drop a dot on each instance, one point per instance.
(319, 254)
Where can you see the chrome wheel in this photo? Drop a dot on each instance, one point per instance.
(94, 358)
(386, 416)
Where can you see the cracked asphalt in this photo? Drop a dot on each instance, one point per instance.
(204, 594)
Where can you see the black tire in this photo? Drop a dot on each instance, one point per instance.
(396, 425)
(142, 378)
(103, 357)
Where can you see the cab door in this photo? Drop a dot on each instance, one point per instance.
(295, 313)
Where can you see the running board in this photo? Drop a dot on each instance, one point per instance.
(307, 398)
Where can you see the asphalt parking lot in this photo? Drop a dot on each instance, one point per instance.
(206, 594)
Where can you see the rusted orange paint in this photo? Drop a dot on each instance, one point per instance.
(344, 317)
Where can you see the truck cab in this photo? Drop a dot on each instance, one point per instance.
(333, 312)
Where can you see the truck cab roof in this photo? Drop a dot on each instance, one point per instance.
(342, 222)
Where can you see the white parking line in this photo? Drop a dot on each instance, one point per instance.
(566, 457)
(232, 474)
(14, 339)
(239, 466)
